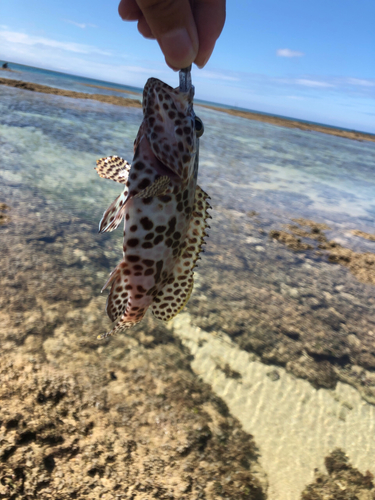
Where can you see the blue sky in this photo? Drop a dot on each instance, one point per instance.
(313, 60)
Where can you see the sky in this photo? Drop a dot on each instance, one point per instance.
(307, 59)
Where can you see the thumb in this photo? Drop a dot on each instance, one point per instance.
(172, 24)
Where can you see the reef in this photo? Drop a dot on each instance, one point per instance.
(343, 481)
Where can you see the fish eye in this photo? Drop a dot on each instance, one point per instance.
(199, 128)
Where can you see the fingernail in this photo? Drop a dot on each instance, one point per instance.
(177, 47)
(205, 60)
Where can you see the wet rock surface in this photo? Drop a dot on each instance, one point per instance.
(82, 418)
(45, 89)
(343, 481)
(287, 300)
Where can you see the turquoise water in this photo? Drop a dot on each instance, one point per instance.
(284, 306)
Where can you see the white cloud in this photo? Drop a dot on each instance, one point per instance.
(313, 83)
(360, 82)
(22, 41)
(217, 76)
(289, 53)
(80, 25)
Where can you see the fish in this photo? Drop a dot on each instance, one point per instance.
(165, 212)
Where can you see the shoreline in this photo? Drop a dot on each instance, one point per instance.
(293, 123)
(250, 115)
(44, 89)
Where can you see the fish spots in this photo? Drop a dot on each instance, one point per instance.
(147, 201)
(171, 226)
(144, 184)
(160, 229)
(133, 228)
(146, 223)
(158, 239)
(149, 272)
(139, 165)
(148, 262)
(165, 198)
(133, 242)
(149, 236)
(134, 176)
(180, 146)
(133, 258)
(147, 244)
(159, 268)
(180, 206)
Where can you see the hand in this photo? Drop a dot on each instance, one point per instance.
(186, 33)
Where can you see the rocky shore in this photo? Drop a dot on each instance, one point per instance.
(44, 89)
(121, 101)
(82, 418)
(290, 123)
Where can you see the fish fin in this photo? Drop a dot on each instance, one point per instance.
(124, 323)
(157, 188)
(118, 297)
(175, 295)
(114, 214)
(114, 168)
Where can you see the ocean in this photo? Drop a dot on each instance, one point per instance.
(279, 330)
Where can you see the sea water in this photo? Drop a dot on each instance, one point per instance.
(295, 324)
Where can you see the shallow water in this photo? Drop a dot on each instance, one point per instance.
(297, 311)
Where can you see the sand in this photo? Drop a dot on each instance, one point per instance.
(294, 425)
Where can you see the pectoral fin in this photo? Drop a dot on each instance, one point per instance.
(114, 214)
(114, 168)
(157, 188)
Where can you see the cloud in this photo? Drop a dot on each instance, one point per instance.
(360, 82)
(313, 83)
(289, 53)
(80, 25)
(22, 41)
(216, 75)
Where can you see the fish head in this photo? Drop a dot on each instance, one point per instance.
(170, 127)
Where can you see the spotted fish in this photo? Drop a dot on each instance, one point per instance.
(165, 211)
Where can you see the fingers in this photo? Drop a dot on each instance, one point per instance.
(171, 22)
(209, 17)
(129, 10)
(184, 36)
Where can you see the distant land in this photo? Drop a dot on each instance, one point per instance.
(250, 115)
